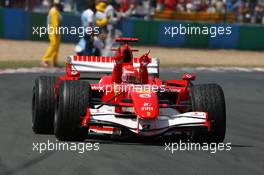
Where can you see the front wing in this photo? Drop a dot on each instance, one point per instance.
(169, 119)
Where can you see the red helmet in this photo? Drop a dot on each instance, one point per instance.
(129, 74)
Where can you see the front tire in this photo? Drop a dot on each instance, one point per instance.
(73, 99)
(43, 103)
(209, 98)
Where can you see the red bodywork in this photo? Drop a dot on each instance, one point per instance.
(146, 105)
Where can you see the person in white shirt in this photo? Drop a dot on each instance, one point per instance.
(114, 19)
(88, 45)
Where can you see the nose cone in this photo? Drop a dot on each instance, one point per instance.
(145, 105)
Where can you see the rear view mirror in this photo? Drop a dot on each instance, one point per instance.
(189, 77)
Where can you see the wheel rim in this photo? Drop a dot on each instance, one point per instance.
(33, 108)
(56, 115)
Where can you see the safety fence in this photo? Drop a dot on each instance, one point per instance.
(23, 25)
(19, 24)
(155, 32)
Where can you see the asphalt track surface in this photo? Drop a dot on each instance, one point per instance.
(244, 94)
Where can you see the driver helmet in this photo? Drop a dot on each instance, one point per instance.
(129, 74)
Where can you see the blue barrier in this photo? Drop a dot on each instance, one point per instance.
(71, 21)
(16, 24)
(1, 23)
(127, 28)
(225, 41)
(165, 37)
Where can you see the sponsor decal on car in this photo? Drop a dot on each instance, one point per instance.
(145, 95)
(147, 107)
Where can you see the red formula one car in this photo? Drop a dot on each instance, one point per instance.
(130, 99)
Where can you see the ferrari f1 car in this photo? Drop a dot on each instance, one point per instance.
(74, 106)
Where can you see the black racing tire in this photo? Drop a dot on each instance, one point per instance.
(73, 99)
(43, 103)
(209, 98)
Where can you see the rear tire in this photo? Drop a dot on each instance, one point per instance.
(209, 98)
(43, 103)
(73, 99)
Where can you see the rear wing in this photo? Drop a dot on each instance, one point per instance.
(105, 65)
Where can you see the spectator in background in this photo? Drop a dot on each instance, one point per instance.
(219, 6)
(146, 4)
(181, 5)
(244, 12)
(131, 11)
(100, 17)
(86, 45)
(211, 7)
(170, 5)
(68, 5)
(54, 21)
(113, 26)
(160, 5)
(203, 6)
(101, 21)
(196, 5)
(259, 13)
(252, 4)
(233, 6)
(14, 3)
(124, 5)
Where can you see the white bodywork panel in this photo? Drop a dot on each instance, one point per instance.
(104, 65)
(168, 118)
